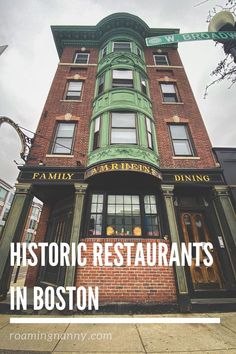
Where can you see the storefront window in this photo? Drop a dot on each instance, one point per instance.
(124, 215)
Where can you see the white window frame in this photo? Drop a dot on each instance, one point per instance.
(81, 53)
(161, 55)
(113, 45)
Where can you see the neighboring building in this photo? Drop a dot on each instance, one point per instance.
(32, 222)
(227, 160)
(121, 153)
(6, 197)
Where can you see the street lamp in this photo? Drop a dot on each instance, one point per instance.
(224, 21)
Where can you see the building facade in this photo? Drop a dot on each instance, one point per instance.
(121, 154)
(6, 197)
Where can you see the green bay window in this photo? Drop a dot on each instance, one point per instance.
(123, 128)
(127, 215)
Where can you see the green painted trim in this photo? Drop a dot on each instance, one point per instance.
(125, 152)
(96, 35)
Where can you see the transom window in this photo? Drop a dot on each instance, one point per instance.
(160, 59)
(123, 128)
(64, 137)
(121, 46)
(81, 58)
(169, 93)
(181, 141)
(122, 78)
(74, 90)
(126, 215)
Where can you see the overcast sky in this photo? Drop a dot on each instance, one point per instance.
(28, 65)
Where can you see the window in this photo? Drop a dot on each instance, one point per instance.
(121, 47)
(149, 133)
(96, 136)
(122, 78)
(101, 80)
(64, 137)
(95, 222)
(123, 128)
(74, 90)
(169, 93)
(35, 212)
(104, 51)
(139, 52)
(126, 215)
(181, 140)
(5, 215)
(143, 85)
(3, 193)
(33, 224)
(160, 59)
(81, 58)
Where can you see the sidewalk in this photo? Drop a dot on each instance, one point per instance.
(121, 338)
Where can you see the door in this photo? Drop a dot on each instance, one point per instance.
(195, 230)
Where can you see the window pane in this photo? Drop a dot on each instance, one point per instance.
(66, 148)
(97, 124)
(123, 120)
(148, 124)
(122, 74)
(81, 58)
(75, 86)
(182, 147)
(65, 130)
(121, 46)
(123, 136)
(168, 88)
(111, 199)
(178, 132)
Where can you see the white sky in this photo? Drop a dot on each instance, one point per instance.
(28, 65)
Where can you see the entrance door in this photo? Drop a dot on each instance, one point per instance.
(195, 230)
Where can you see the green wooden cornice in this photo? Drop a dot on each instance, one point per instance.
(119, 23)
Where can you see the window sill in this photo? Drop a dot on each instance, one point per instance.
(70, 100)
(58, 155)
(186, 157)
(165, 66)
(172, 102)
(76, 64)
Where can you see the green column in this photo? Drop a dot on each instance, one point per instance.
(12, 232)
(184, 300)
(227, 220)
(80, 190)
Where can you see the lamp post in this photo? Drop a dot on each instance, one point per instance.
(224, 21)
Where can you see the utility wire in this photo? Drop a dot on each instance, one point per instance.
(43, 137)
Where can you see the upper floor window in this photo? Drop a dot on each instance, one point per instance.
(101, 80)
(139, 52)
(81, 58)
(160, 59)
(143, 85)
(169, 93)
(122, 78)
(64, 138)
(121, 47)
(149, 133)
(74, 90)
(181, 141)
(96, 136)
(104, 51)
(123, 128)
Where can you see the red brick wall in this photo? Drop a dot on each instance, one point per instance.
(187, 111)
(32, 272)
(127, 284)
(55, 109)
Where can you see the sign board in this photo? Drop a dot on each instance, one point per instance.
(197, 177)
(186, 37)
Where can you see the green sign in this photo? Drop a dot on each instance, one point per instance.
(186, 37)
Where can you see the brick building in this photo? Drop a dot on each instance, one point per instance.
(121, 153)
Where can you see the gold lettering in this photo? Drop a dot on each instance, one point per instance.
(103, 168)
(52, 175)
(94, 171)
(146, 169)
(187, 178)
(43, 176)
(198, 178)
(35, 175)
(177, 178)
(128, 166)
(70, 175)
(206, 178)
(114, 166)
